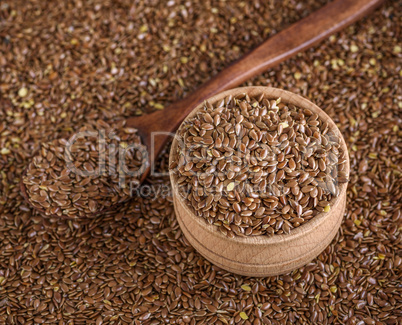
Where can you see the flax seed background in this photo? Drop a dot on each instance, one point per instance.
(67, 62)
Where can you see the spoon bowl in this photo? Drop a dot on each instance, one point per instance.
(25, 195)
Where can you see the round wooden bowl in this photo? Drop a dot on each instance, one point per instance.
(262, 255)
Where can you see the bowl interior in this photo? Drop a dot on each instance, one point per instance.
(288, 98)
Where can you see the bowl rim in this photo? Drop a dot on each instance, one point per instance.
(289, 98)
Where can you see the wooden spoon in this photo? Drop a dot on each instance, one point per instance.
(156, 128)
(298, 37)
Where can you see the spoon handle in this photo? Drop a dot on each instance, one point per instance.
(300, 36)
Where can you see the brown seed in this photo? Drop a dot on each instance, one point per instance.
(260, 212)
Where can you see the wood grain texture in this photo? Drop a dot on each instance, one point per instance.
(262, 255)
(298, 37)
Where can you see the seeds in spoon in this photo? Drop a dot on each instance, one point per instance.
(72, 179)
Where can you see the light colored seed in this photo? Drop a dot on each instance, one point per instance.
(246, 287)
(23, 92)
(230, 186)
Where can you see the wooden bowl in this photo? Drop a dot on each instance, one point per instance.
(262, 255)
